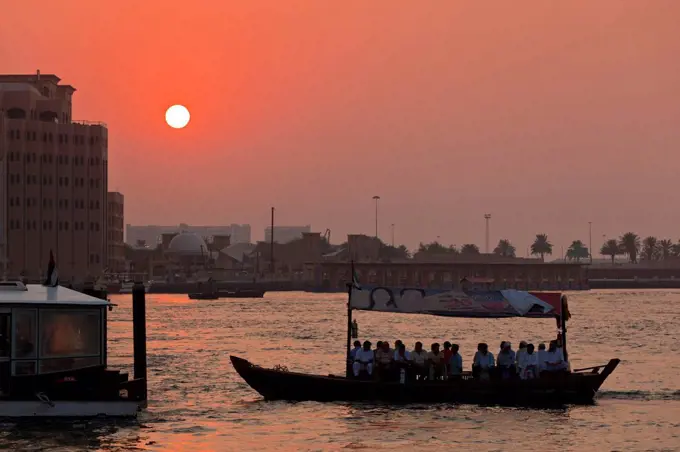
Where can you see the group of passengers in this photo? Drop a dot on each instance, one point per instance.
(387, 363)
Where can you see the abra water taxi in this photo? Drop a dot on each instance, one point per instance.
(576, 387)
(53, 356)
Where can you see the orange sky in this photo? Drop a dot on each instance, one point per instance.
(545, 114)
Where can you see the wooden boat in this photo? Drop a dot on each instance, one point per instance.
(53, 357)
(204, 296)
(576, 387)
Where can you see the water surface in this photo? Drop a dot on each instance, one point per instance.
(198, 402)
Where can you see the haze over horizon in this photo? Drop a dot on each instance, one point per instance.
(547, 115)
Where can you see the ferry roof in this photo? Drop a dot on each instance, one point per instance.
(16, 293)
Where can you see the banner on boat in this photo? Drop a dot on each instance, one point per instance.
(456, 303)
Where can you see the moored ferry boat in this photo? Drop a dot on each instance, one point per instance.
(570, 387)
(53, 356)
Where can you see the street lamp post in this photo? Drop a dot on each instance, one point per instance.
(392, 235)
(376, 198)
(487, 217)
(590, 241)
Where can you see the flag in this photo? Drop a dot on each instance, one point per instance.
(52, 278)
(355, 278)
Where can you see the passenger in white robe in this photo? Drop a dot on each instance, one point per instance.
(542, 357)
(483, 362)
(529, 364)
(363, 360)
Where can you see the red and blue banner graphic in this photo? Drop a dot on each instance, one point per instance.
(457, 303)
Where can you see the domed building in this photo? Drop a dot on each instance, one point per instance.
(187, 244)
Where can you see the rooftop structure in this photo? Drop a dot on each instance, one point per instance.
(55, 173)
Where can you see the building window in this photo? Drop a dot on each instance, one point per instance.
(11, 202)
(96, 227)
(66, 225)
(34, 136)
(65, 138)
(49, 137)
(49, 225)
(66, 181)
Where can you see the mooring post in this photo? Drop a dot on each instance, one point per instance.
(139, 333)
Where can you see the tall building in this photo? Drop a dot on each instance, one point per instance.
(115, 244)
(285, 234)
(151, 235)
(53, 172)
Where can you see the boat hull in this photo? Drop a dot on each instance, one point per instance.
(15, 409)
(571, 388)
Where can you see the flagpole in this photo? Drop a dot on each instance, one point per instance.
(348, 370)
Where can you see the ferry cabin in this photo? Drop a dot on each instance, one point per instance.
(48, 330)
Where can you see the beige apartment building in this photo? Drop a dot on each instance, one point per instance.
(53, 179)
(115, 243)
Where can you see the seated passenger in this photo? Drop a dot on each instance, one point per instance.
(419, 359)
(363, 360)
(353, 352)
(455, 363)
(483, 362)
(397, 344)
(383, 359)
(506, 361)
(447, 355)
(554, 359)
(560, 350)
(401, 356)
(542, 357)
(436, 363)
(529, 364)
(522, 349)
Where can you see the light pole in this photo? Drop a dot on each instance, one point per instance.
(376, 198)
(392, 235)
(590, 241)
(487, 217)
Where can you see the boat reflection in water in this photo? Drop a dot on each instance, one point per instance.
(576, 387)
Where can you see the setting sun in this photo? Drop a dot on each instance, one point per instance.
(177, 116)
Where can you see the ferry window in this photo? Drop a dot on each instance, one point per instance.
(69, 333)
(24, 333)
(61, 364)
(4, 335)
(24, 368)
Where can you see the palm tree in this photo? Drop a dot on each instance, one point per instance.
(541, 246)
(505, 248)
(469, 249)
(675, 250)
(577, 251)
(649, 248)
(665, 247)
(630, 244)
(611, 248)
(436, 248)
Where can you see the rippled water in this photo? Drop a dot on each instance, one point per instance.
(198, 402)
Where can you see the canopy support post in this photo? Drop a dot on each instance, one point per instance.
(348, 370)
(563, 326)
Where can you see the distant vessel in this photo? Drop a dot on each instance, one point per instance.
(244, 293)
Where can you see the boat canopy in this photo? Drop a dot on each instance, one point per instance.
(457, 303)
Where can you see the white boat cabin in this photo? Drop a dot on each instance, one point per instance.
(49, 329)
